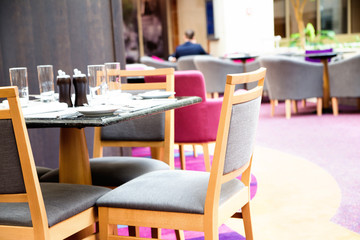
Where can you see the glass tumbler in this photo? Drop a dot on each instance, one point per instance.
(19, 78)
(46, 82)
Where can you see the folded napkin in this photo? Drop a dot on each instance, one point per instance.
(42, 107)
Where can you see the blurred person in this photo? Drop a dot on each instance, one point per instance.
(190, 47)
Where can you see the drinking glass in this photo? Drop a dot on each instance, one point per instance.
(113, 76)
(97, 80)
(18, 77)
(46, 82)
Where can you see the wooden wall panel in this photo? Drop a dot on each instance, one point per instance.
(67, 34)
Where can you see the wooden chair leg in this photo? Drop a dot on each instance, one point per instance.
(272, 103)
(211, 233)
(303, 103)
(288, 108)
(205, 147)
(157, 153)
(294, 106)
(335, 106)
(194, 151)
(276, 102)
(182, 156)
(104, 227)
(319, 106)
(216, 95)
(156, 233)
(179, 234)
(247, 221)
(208, 95)
(97, 149)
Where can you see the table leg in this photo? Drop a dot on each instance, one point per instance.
(326, 87)
(74, 166)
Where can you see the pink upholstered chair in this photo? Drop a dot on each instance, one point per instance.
(197, 124)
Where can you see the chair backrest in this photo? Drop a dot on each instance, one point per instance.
(192, 123)
(215, 71)
(344, 77)
(154, 130)
(186, 63)
(149, 61)
(18, 178)
(289, 78)
(236, 134)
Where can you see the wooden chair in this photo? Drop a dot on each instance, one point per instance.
(159, 128)
(195, 200)
(28, 209)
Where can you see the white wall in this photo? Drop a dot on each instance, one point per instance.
(243, 26)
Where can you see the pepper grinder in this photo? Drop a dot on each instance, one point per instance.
(80, 82)
(63, 82)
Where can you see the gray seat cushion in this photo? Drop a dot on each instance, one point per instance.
(114, 171)
(62, 201)
(42, 170)
(172, 190)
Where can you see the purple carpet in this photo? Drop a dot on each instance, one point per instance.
(333, 143)
(225, 233)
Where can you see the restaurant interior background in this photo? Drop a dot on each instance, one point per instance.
(73, 34)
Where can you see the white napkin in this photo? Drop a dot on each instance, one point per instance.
(40, 107)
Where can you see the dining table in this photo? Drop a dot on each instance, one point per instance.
(74, 165)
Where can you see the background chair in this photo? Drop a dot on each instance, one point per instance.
(156, 63)
(197, 124)
(215, 71)
(291, 80)
(195, 200)
(186, 63)
(156, 131)
(29, 209)
(344, 80)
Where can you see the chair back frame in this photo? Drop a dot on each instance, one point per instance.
(168, 144)
(217, 177)
(33, 193)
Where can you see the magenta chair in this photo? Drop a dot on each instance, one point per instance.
(197, 124)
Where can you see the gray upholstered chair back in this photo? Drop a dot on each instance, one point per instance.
(215, 71)
(344, 77)
(186, 63)
(242, 131)
(289, 78)
(11, 177)
(252, 66)
(149, 61)
(149, 128)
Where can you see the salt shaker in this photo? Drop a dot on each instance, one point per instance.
(79, 81)
(63, 81)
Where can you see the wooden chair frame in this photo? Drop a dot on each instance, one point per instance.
(163, 150)
(213, 216)
(83, 222)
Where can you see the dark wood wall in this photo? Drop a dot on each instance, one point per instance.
(67, 34)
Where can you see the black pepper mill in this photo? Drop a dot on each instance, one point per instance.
(63, 82)
(80, 83)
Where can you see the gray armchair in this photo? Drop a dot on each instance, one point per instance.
(186, 63)
(215, 70)
(290, 79)
(149, 61)
(344, 80)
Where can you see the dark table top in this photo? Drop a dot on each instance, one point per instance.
(240, 56)
(325, 55)
(98, 121)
